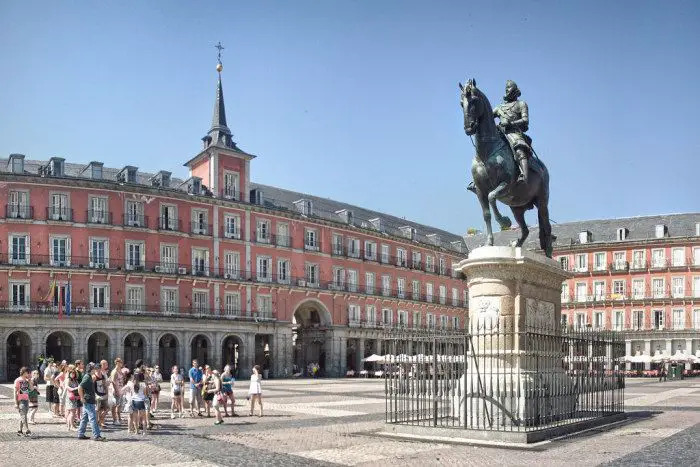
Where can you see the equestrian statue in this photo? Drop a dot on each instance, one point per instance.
(503, 167)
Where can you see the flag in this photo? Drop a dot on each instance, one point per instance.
(68, 304)
(60, 308)
(52, 291)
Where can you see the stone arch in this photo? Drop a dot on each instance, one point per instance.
(98, 346)
(312, 312)
(135, 345)
(168, 346)
(311, 322)
(233, 352)
(18, 348)
(60, 345)
(201, 348)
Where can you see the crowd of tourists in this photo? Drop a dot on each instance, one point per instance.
(95, 394)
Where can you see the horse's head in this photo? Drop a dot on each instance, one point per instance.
(472, 105)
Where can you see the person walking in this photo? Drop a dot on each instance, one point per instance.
(207, 385)
(138, 392)
(22, 400)
(102, 392)
(86, 389)
(33, 396)
(217, 396)
(255, 390)
(227, 391)
(156, 379)
(117, 383)
(71, 384)
(195, 375)
(177, 383)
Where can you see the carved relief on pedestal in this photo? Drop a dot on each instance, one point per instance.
(485, 314)
(540, 314)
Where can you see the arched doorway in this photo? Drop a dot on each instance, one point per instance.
(167, 354)
(98, 347)
(18, 347)
(232, 353)
(200, 349)
(134, 349)
(310, 326)
(59, 345)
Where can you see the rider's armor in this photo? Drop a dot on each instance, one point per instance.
(513, 121)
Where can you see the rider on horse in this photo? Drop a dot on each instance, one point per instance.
(513, 122)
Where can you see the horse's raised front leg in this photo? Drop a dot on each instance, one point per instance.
(484, 201)
(519, 214)
(503, 221)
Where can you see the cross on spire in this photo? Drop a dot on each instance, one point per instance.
(220, 48)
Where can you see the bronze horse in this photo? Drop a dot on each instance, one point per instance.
(495, 173)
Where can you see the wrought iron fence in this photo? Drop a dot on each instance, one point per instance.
(505, 380)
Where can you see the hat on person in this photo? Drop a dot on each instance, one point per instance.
(90, 366)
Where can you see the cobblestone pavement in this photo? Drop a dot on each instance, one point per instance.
(322, 422)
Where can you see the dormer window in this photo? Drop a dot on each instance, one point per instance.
(304, 206)
(376, 223)
(622, 234)
(16, 163)
(408, 232)
(345, 215)
(56, 166)
(585, 237)
(194, 186)
(660, 231)
(96, 170)
(256, 196)
(456, 246)
(697, 229)
(127, 174)
(434, 238)
(161, 179)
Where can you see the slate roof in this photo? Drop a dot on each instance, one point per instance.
(602, 230)
(275, 198)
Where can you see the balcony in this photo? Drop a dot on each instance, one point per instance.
(19, 211)
(312, 246)
(638, 266)
(98, 217)
(200, 228)
(284, 241)
(59, 214)
(135, 220)
(235, 234)
(168, 224)
(338, 250)
(416, 265)
(618, 266)
(658, 264)
(678, 264)
(231, 194)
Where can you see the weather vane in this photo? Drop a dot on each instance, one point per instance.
(219, 66)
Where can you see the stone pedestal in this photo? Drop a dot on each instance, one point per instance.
(514, 373)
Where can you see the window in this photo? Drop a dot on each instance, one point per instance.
(385, 253)
(564, 320)
(168, 258)
(135, 256)
(443, 321)
(582, 263)
(442, 293)
(59, 251)
(387, 316)
(386, 286)
(678, 257)
(619, 261)
(18, 205)
(200, 302)
(370, 314)
(19, 249)
(678, 287)
(696, 318)
(200, 225)
(455, 322)
(264, 273)
(232, 304)
(599, 261)
(564, 261)
(17, 165)
(337, 243)
(638, 320)
(429, 264)
(263, 231)
(99, 251)
(618, 290)
(403, 318)
(401, 287)
(353, 248)
(580, 322)
(679, 319)
(370, 250)
(232, 226)
(429, 292)
(59, 209)
(657, 287)
(430, 320)
(353, 314)
(168, 300)
(564, 292)
(599, 290)
(59, 294)
(455, 297)
(312, 274)
(415, 260)
(96, 171)
(283, 271)
(638, 260)
(622, 234)
(442, 265)
(311, 239)
(338, 278)
(283, 234)
(232, 265)
(369, 283)
(465, 298)
(638, 289)
(99, 298)
(134, 214)
(20, 295)
(231, 185)
(134, 298)
(98, 212)
(415, 290)
(264, 306)
(352, 280)
(200, 261)
(696, 287)
(619, 322)
(696, 256)
(416, 319)
(658, 258)
(581, 292)
(598, 321)
(401, 256)
(658, 319)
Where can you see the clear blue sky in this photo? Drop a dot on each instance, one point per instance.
(358, 100)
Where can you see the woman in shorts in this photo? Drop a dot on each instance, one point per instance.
(217, 397)
(207, 386)
(227, 391)
(138, 392)
(177, 383)
(72, 397)
(255, 390)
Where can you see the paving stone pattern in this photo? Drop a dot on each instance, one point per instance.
(329, 422)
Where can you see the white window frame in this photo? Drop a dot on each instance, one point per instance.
(442, 294)
(232, 303)
(599, 290)
(134, 296)
(18, 204)
(200, 302)
(232, 220)
(387, 316)
(231, 182)
(638, 292)
(677, 287)
(678, 257)
(384, 253)
(369, 283)
(134, 213)
(564, 292)
(416, 319)
(658, 258)
(283, 237)
(578, 296)
(232, 264)
(656, 290)
(354, 314)
(619, 293)
(429, 263)
(311, 240)
(53, 260)
(599, 258)
(98, 209)
(656, 323)
(129, 260)
(401, 257)
(167, 306)
(262, 231)
(637, 262)
(678, 317)
(15, 287)
(415, 290)
(353, 247)
(312, 273)
(370, 250)
(337, 244)
(338, 278)
(19, 257)
(264, 305)
(371, 314)
(94, 263)
(442, 266)
(599, 319)
(386, 285)
(168, 263)
(99, 304)
(401, 287)
(402, 317)
(351, 280)
(200, 266)
(581, 261)
(618, 324)
(263, 270)
(200, 221)
(283, 270)
(696, 318)
(637, 320)
(59, 206)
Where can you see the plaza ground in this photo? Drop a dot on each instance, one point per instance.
(334, 421)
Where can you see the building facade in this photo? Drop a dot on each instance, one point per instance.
(98, 263)
(639, 276)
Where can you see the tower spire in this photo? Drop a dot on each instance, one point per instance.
(219, 134)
